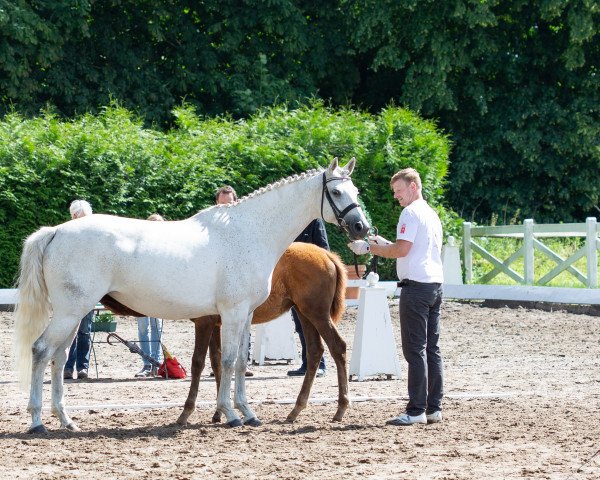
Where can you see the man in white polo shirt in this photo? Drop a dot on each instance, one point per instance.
(417, 249)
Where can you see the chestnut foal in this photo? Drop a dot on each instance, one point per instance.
(314, 281)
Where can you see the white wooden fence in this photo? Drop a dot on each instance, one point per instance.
(530, 232)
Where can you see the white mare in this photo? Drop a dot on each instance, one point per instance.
(219, 261)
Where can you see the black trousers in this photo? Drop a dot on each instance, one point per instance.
(420, 330)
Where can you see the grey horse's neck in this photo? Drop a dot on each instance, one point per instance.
(277, 214)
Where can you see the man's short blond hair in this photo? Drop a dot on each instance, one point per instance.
(156, 218)
(408, 175)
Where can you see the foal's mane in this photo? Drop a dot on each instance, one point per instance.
(273, 186)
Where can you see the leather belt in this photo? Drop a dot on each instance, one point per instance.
(406, 282)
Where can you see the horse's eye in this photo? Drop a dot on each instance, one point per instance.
(336, 192)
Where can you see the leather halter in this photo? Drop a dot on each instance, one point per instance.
(339, 214)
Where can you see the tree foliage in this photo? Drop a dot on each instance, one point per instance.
(221, 56)
(123, 168)
(515, 84)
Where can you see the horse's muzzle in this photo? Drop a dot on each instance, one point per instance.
(358, 227)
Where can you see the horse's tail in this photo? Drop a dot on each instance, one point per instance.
(33, 308)
(338, 306)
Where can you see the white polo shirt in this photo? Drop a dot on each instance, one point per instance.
(420, 225)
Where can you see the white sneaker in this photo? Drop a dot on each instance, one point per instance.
(406, 419)
(146, 371)
(435, 417)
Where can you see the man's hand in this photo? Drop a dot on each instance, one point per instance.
(378, 240)
(359, 247)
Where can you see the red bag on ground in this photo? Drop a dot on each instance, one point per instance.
(171, 366)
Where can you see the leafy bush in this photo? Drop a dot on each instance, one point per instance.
(105, 317)
(123, 168)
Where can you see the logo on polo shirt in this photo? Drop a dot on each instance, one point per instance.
(403, 228)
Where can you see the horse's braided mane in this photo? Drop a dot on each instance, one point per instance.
(273, 186)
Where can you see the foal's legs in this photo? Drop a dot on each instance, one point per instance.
(203, 327)
(314, 352)
(337, 348)
(215, 363)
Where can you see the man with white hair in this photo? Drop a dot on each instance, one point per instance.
(80, 208)
(79, 353)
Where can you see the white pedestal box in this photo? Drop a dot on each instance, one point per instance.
(275, 340)
(374, 349)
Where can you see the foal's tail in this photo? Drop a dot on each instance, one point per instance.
(33, 308)
(338, 306)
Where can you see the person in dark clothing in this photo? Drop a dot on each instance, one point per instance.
(418, 253)
(314, 233)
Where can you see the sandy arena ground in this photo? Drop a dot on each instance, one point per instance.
(522, 401)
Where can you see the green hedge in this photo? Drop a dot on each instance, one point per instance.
(125, 169)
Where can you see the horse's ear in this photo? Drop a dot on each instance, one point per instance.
(350, 165)
(332, 166)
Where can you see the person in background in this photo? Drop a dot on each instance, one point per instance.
(314, 233)
(149, 333)
(79, 353)
(224, 195)
(417, 248)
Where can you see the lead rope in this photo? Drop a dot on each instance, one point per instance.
(371, 268)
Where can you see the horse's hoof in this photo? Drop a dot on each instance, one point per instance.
(216, 418)
(293, 415)
(235, 423)
(38, 429)
(338, 417)
(290, 419)
(182, 421)
(253, 422)
(72, 427)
